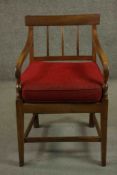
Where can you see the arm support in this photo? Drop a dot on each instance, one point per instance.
(22, 56)
(102, 56)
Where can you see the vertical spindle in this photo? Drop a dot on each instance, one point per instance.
(62, 39)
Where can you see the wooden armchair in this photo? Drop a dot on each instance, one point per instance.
(44, 87)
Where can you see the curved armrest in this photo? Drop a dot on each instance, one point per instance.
(103, 57)
(23, 55)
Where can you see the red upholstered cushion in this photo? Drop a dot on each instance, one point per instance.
(62, 82)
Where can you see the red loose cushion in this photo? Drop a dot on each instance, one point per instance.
(62, 82)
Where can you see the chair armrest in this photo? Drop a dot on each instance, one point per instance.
(103, 57)
(23, 56)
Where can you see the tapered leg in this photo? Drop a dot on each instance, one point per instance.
(104, 117)
(91, 120)
(36, 120)
(20, 131)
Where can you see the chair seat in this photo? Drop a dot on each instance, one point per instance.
(44, 81)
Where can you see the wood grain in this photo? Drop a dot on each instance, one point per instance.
(47, 41)
(24, 53)
(85, 19)
(32, 41)
(63, 58)
(77, 41)
(93, 44)
(62, 39)
(63, 139)
(102, 55)
(52, 108)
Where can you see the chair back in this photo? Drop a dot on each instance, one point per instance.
(66, 20)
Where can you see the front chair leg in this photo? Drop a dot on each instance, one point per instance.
(36, 120)
(20, 131)
(91, 120)
(104, 117)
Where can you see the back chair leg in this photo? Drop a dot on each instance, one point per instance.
(36, 120)
(20, 131)
(104, 117)
(91, 120)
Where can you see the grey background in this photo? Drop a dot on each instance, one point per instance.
(13, 31)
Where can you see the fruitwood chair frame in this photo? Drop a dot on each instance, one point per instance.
(51, 108)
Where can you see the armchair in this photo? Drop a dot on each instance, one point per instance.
(44, 86)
